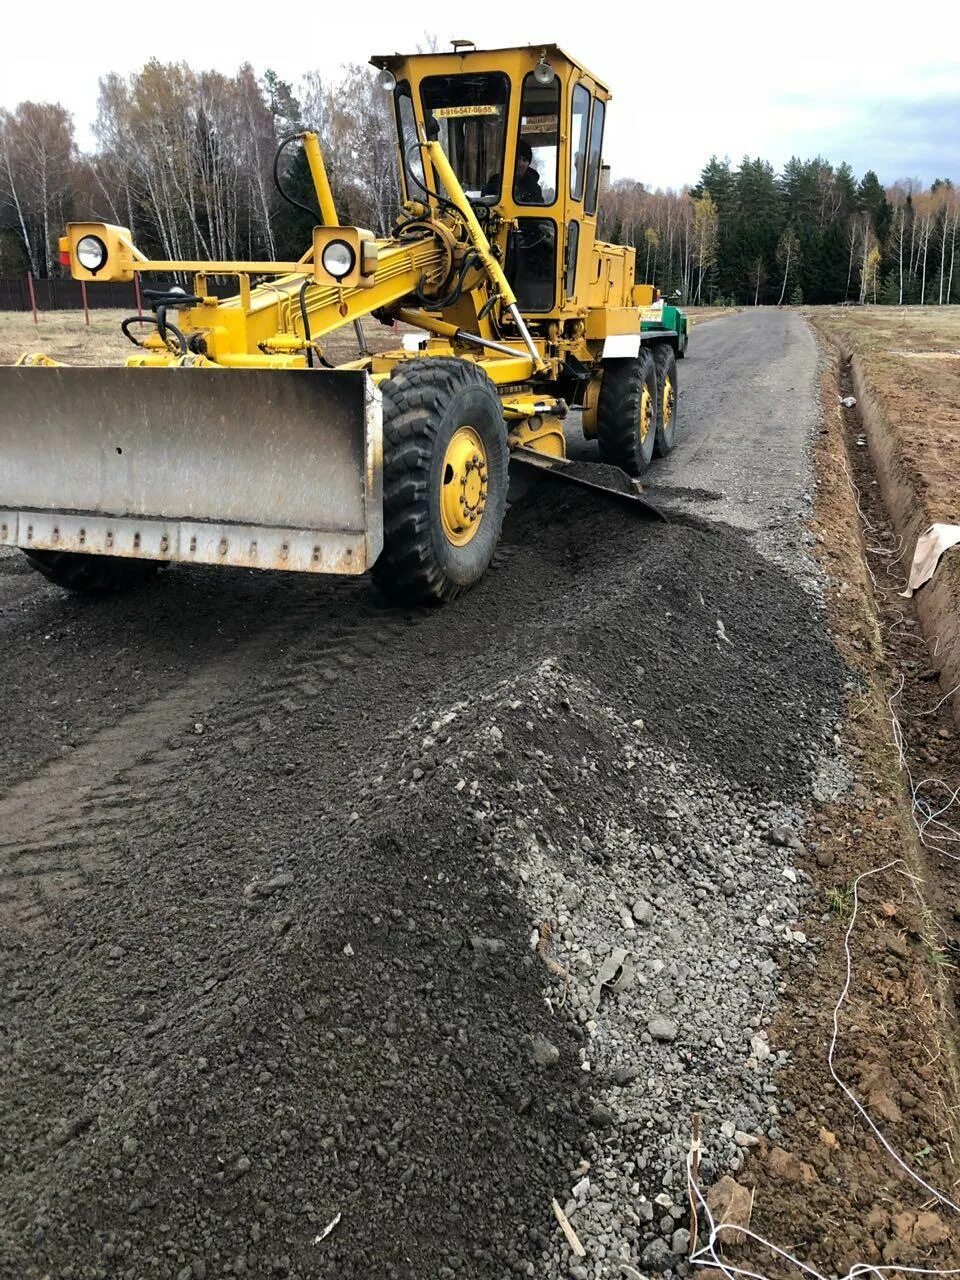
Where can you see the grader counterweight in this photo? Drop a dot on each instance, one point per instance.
(228, 438)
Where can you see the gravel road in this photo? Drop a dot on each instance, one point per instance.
(337, 940)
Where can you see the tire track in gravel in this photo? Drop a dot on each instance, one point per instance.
(64, 821)
(76, 814)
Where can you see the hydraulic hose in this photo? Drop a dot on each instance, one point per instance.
(296, 204)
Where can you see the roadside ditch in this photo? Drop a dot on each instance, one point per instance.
(886, 851)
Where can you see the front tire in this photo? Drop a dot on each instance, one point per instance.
(627, 412)
(92, 575)
(445, 465)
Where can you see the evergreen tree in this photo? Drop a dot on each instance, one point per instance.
(872, 199)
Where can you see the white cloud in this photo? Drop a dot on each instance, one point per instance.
(741, 78)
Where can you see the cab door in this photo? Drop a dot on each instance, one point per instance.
(536, 197)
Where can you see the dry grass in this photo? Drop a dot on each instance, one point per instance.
(910, 357)
(700, 315)
(64, 336)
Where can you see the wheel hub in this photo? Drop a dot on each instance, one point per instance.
(646, 414)
(463, 486)
(669, 399)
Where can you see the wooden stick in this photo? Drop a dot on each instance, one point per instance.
(694, 1175)
(568, 1231)
(33, 297)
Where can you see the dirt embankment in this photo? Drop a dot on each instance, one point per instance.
(904, 369)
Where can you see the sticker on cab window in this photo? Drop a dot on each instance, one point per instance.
(450, 113)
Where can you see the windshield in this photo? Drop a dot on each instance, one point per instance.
(467, 115)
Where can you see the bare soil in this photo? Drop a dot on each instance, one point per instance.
(910, 359)
(700, 315)
(904, 367)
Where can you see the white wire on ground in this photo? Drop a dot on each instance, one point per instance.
(708, 1253)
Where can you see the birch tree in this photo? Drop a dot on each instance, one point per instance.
(37, 159)
(788, 251)
(705, 225)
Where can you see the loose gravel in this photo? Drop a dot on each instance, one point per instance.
(395, 927)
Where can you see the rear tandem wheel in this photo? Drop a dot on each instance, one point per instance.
(627, 412)
(668, 402)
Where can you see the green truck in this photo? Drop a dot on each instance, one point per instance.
(661, 315)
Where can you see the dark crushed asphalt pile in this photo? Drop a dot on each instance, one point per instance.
(255, 976)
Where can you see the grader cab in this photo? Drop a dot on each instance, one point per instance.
(228, 438)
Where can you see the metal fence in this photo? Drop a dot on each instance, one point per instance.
(67, 295)
(62, 295)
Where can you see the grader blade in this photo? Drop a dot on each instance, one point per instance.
(610, 481)
(262, 468)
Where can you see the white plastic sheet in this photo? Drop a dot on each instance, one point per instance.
(931, 545)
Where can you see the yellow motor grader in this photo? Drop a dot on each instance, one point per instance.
(228, 438)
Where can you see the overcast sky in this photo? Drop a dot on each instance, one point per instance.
(849, 80)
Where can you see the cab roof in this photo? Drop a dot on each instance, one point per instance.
(393, 60)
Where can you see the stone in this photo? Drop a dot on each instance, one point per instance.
(656, 1256)
(545, 1053)
(662, 1028)
(571, 894)
(642, 912)
(602, 1117)
(759, 1046)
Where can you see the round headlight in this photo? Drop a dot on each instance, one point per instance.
(387, 80)
(338, 259)
(91, 253)
(543, 73)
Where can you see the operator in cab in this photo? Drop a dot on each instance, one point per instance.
(526, 180)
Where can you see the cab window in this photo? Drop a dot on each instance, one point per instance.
(531, 263)
(593, 156)
(578, 141)
(467, 115)
(535, 171)
(411, 159)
